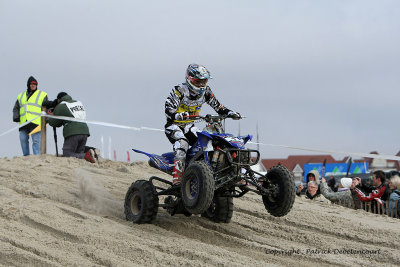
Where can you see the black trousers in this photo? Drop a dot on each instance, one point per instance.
(74, 146)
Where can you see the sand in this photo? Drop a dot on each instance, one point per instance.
(68, 212)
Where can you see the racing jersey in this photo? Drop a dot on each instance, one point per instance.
(375, 194)
(180, 101)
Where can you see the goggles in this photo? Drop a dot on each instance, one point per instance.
(199, 82)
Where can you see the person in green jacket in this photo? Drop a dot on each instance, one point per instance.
(75, 133)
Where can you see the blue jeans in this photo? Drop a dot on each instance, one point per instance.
(24, 139)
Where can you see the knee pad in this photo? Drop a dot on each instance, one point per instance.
(180, 148)
(177, 135)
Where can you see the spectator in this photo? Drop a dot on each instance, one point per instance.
(378, 192)
(332, 184)
(313, 193)
(75, 133)
(394, 184)
(313, 175)
(27, 111)
(342, 196)
(356, 200)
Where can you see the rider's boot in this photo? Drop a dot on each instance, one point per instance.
(177, 172)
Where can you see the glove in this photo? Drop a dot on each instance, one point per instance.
(234, 115)
(50, 111)
(181, 116)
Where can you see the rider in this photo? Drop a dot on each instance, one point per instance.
(184, 103)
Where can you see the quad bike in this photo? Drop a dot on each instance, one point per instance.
(218, 169)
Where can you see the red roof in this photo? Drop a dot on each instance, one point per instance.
(291, 161)
(396, 162)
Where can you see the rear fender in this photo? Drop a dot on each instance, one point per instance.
(162, 163)
(141, 152)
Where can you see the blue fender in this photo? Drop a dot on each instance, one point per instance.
(203, 139)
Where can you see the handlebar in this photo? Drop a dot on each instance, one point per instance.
(211, 117)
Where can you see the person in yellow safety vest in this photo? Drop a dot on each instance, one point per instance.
(27, 111)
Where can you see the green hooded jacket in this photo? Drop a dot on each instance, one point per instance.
(70, 127)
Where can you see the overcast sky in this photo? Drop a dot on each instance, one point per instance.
(319, 74)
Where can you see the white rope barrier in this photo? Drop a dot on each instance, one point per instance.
(359, 154)
(108, 124)
(19, 126)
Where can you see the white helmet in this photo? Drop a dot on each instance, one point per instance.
(197, 77)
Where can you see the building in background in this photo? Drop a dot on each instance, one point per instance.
(299, 164)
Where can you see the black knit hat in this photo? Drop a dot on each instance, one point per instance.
(31, 79)
(61, 94)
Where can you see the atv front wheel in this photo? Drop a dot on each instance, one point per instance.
(220, 210)
(141, 203)
(197, 187)
(281, 201)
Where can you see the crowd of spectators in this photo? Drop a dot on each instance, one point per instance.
(380, 195)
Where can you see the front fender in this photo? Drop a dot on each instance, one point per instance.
(249, 137)
(205, 141)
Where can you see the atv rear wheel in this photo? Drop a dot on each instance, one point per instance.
(197, 187)
(141, 202)
(220, 210)
(279, 203)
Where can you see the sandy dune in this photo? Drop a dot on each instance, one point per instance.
(65, 211)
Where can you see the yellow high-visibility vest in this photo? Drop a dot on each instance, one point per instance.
(31, 108)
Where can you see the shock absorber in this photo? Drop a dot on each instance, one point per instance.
(214, 159)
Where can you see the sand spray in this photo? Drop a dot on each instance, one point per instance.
(95, 198)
